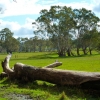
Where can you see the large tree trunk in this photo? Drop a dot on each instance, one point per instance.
(47, 73)
(62, 53)
(69, 52)
(78, 51)
(90, 50)
(84, 51)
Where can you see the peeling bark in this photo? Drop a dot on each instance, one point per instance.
(48, 73)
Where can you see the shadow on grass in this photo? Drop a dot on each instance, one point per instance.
(44, 56)
(48, 55)
(73, 92)
(55, 56)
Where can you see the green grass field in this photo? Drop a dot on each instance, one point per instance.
(82, 63)
(45, 91)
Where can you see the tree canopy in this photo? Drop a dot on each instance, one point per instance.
(7, 41)
(62, 24)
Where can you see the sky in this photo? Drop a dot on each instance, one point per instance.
(18, 15)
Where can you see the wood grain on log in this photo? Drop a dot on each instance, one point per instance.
(49, 74)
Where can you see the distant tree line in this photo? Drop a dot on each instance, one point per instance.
(34, 44)
(60, 29)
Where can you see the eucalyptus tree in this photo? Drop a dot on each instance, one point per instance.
(98, 45)
(22, 44)
(57, 23)
(91, 39)
(11, 44)
(87, 23)
(4, 34)
(8, 42)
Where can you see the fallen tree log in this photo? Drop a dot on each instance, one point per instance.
(48, 73)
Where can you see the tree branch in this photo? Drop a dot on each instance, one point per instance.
(5, 66)
(55, 64)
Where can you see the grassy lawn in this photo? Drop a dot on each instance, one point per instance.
(45, 91)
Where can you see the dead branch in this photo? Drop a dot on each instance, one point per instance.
(47, 73)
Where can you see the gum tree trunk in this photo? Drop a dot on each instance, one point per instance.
(48, 73)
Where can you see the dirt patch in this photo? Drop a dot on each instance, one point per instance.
(18, 97)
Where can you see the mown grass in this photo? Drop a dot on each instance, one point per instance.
(39, 90)
(82, 63)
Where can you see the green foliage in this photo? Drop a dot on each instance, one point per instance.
(63, 96)
(63, 25)
(7, 41)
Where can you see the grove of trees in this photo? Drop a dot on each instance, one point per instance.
(7, 42)
(60, 29)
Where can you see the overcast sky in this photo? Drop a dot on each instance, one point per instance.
(19, 15)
